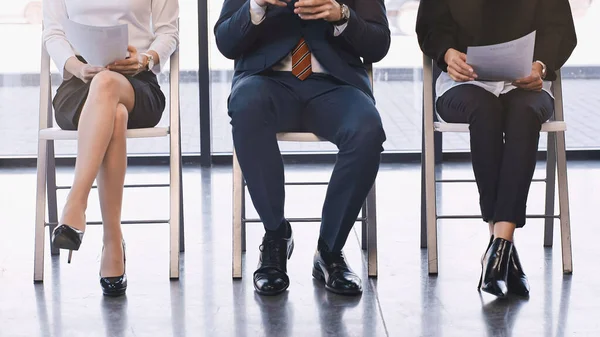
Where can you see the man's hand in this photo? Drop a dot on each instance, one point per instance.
(458, 69)
(534, 81)
(328, 10)
(280, 3)
(132, 65)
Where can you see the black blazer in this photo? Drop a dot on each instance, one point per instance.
(458, 24)
(256, 48)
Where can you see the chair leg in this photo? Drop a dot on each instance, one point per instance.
(365, 222)
(51, 190)
(371, 230)
(174, 205)
(563, 201)
(430, 202)
(243, 218)
(550, 189)
(423, 199)
(40, 211)
(237, 219)
(181, 217)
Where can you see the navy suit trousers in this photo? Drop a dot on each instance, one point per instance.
(262, 105)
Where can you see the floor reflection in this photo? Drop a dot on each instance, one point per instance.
(114, 313)
(501, 314)
(276, 313)
(331, 309)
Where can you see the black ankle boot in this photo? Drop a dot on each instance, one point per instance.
(517, 282)
(494, 268)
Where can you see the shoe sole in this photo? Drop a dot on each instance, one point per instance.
(318, 275)
(115, 293)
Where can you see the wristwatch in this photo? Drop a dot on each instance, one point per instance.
(345, 14)
(543, 68)
(150, 60)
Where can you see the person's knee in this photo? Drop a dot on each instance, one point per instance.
(120, 124)
(365, 135)
(105, 83)
(250, 104)
(526, 117)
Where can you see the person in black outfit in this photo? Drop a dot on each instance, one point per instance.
(298, 67)
(504, 118)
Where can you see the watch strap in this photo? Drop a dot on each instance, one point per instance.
(344, 15)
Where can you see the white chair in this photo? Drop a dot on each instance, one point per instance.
(556, 157)
(368, 217)
(46, 169)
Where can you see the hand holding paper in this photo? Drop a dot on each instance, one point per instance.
(507, 61)
(458, 69)
(99, 46)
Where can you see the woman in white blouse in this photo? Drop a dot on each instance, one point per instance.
(102, 103)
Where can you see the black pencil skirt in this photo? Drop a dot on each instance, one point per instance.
(147, 110)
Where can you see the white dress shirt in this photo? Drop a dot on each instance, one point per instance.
(152, 25)
(445, 83)
(257, 14)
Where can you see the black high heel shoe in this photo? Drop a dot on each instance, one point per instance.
(115, 285)
(517, 282)
(67, 237)
(494, 268)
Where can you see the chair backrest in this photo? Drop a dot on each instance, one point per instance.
(431, 71)
(46, 117)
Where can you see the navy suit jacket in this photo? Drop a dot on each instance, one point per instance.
(256, 48)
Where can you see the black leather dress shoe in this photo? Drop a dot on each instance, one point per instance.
(270, 278)
(516, 282)
(332, 269)
(494, 268)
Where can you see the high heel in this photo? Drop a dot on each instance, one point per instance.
(67, 237)
(115, 285)
(494, 272)
(518, 283)
(483, 257)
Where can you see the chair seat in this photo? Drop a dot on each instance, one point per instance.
(298, 137)
(463, 127)
(59, 134)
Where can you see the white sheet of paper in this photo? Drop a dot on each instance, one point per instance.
(503, 62)
(99, 46)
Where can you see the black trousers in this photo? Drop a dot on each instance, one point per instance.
(505, 134)
(262, 105)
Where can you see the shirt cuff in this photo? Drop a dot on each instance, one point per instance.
(257, 12)
(338, 30)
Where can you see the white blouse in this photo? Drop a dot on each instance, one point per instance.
(152, 25)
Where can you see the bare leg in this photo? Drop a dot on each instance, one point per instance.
(505, 230)
(491, 227)
(96, 125)
(111, 179)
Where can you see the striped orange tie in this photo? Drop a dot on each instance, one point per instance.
(301, 60)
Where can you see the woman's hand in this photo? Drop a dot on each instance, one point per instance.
(458, 69)
(534, 81)
(87, 72)
(132, 65)
(82, 71)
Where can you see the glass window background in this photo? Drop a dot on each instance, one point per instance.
(398, 87)
(20, 34)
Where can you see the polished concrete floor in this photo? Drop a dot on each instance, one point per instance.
(402, 301)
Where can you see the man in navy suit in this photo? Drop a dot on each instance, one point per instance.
(299, 66)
